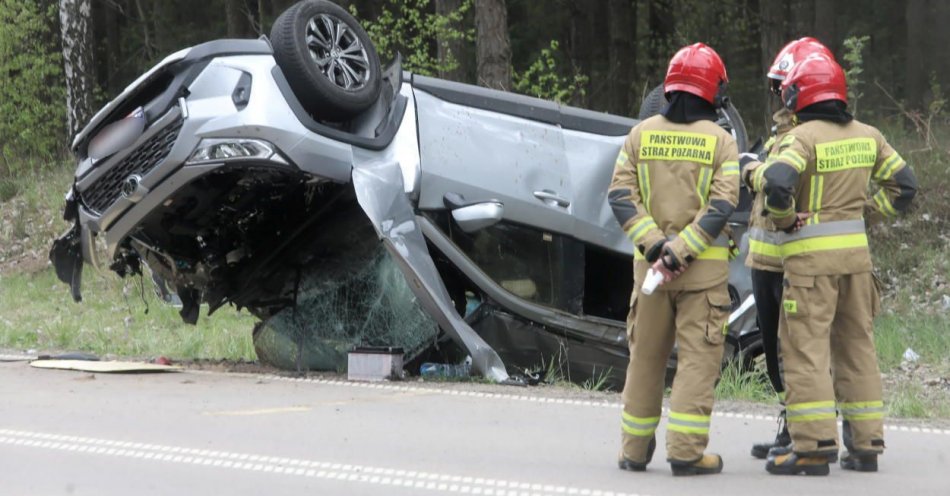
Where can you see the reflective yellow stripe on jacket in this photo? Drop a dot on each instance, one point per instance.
(763, 242)
(814, 198)
(718, 251)
(640, 228)
(643, 177)
(836, 235)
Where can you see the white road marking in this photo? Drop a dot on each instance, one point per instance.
(260, 411)
(381, 476)
(543, 399)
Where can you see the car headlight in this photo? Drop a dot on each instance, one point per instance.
(228, 149)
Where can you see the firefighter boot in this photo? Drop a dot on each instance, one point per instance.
(626, 464)
(859, 462)
(852, 459)
(784, 461)
(782, 439)
(706, 465)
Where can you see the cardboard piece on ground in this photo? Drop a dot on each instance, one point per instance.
(103, 367)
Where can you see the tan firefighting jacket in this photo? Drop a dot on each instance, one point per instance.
(824, 168)
(678, 182)
(761, 253)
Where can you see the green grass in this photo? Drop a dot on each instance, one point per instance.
(927, 335)
(736, 384)
(909, 399)
(37, 312)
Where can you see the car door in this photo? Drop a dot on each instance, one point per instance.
(483, 154)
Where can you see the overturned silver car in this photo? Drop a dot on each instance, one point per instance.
(264, 173)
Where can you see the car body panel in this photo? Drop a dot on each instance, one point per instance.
(484, 155)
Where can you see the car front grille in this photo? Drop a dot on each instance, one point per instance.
(107, 189)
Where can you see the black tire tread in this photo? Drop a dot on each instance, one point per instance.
(653, 103)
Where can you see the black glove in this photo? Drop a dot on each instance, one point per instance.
(669, 259)
(654, 252)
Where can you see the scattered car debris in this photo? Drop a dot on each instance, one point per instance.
(111, 367)
(74, 355)
(374, 364)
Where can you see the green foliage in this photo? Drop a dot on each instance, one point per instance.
(543, 79)
(32, 95)
(738, 384)
(8, 189)
(854, 57)
(939, 100)
(598, 381)
(411, 28)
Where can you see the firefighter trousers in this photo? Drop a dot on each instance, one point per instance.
(828, 352)
(695, 321)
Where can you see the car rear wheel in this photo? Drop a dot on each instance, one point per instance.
(328, 59)
(729, 118)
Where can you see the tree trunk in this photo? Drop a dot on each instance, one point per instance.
(940, 42)
(772, 30)
(621, 56)
(236, 16)
(75, 18)
(825, 23)
(915, 70)
(261, 18)
(148, 48)
(662, 27)
(580, 46)
(451, 49)
(493, 47)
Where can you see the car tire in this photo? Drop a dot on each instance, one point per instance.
(753, 355)
(730, 120)
(653, 103)
(328, 59)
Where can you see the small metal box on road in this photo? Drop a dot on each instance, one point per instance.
(374, 363)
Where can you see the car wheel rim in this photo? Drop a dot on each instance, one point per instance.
(338, 53)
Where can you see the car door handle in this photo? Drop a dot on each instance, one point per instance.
(552, 198)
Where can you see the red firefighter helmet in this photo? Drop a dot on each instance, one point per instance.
(795, 52)
(696, 69)
(815, 79)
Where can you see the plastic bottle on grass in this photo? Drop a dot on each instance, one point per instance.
(429, 369)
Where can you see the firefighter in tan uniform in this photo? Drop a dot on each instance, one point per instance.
(819, 181)
(764, 258)
(675, 184)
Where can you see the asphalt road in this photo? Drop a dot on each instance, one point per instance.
(64, 432)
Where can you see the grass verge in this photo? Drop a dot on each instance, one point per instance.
(737, 384)
(37, 312)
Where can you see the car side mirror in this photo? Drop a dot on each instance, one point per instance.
(472, 217)
(478, 216)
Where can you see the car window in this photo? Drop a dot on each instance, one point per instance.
(538, 266)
